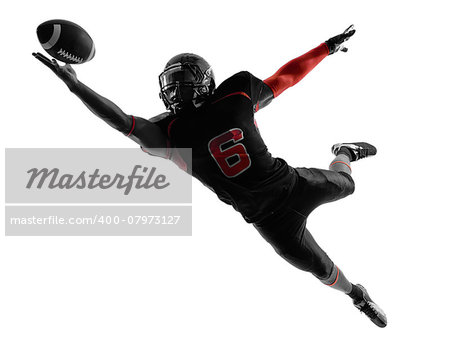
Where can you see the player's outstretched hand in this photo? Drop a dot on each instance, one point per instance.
(65, 73)
(335, 43)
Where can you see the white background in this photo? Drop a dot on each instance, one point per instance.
(390, 89)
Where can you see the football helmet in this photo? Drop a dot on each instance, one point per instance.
(186, 82)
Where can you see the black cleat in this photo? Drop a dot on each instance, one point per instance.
(367, 306)
(357, 150)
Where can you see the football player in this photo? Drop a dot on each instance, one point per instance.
(230, 157)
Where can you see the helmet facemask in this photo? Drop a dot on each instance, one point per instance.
(185, 85)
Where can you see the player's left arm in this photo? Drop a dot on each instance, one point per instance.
(295, 70)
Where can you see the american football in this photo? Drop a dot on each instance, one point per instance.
(66, 41)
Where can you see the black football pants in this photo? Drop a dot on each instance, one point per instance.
(286, 229)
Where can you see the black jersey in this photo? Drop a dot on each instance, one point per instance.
(228, 154)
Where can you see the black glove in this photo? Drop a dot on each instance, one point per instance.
(334, 44)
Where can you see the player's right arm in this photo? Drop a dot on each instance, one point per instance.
(142, 131)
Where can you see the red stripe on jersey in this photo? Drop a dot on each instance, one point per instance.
(168, 148)
(170, 126)
(132, 127)
(233, 94)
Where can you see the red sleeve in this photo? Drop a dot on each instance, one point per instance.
(294, 71)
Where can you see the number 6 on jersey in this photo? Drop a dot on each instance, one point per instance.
(234, 159)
